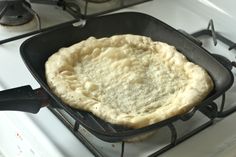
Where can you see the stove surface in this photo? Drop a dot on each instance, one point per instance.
(47, 17)
(191, 16)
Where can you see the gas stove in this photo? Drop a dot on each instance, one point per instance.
(52, 132)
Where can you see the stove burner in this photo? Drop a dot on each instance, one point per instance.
(15, 12)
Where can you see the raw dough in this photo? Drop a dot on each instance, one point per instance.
(128, 80)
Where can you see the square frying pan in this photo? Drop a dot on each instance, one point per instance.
(36, 50)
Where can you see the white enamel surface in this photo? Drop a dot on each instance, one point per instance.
(44, 135)
(49, 15)
(18, 139)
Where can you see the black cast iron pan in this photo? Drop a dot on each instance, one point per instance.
(36, 50)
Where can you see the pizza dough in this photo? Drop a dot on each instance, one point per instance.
(128, 80)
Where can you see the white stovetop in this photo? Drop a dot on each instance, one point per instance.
(42, 134)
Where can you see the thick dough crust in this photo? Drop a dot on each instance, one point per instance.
(128, 80)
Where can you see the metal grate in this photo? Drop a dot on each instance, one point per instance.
(209, 111)
(211, 32)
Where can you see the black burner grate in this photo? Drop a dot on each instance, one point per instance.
(211, 32)
(209, 111)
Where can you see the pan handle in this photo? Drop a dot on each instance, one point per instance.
(23, 99)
